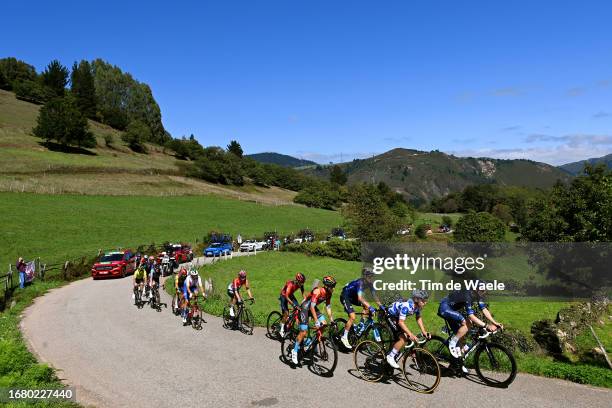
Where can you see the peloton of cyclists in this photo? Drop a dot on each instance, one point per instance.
(287, 296)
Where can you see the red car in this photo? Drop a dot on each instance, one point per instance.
(114, 264)
(180, 252)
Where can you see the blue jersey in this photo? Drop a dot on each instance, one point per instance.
(460, 299)
(354, 289)
(399, 310)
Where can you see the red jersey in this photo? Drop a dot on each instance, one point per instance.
(290, 288)
(237, 284)
(324, 295)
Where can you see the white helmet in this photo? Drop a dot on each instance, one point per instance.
(193, 272)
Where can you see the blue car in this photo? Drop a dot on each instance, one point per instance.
(218, 249)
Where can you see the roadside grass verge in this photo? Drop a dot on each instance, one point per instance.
(268, 272)
(60, 227)
(18, 367)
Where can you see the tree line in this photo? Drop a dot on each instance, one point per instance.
(93, 90)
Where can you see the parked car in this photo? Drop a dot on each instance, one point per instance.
(252, 245)
(180, 252)
(218, 249)
(114, 264)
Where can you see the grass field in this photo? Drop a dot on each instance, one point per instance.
(268, 272)
(61, 227)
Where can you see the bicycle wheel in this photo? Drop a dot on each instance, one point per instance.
(196, 318)
(370, 360)
(227, 319)
(247, 321)
(136, 297)
(439, 348)
(495, 365)
(273, 324)
(324, 357)
(421, 370)
(337, 333)
(175, 305)
(157, 299)
(286, 349)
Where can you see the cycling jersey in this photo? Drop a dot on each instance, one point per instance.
(399, 310)
(236, 284)
(180, 280)
(193, 282)
(140, 273)
(290, 288)
(323, 295)
(463, 299)
(354, 290)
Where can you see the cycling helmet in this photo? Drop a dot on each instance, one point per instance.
(300, 277)
(421, 294)
(193, 272)
(477, 284)
(242, 275)
(329, 281)
(151, 258)
(367, 272)
(183, 271)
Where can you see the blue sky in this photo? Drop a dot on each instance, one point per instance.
(327, 80)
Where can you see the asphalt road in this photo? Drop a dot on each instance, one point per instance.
(119, 356)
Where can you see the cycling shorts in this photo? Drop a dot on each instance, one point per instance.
(453, 317)
(186, 292)
(347, 303)
(305, 317)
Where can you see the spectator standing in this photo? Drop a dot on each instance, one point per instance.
(21, 267)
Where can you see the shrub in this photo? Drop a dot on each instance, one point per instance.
(421, 230)
(335, 248)
(479, 227)
(135, 135)
(448, 221)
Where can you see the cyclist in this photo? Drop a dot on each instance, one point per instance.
(458, 300)
(353, 295)
(139, 278)
(233, 290)
(179, 281)
(288, 295)
(396, 319)
(309, 308)
(154, 274)
(192, 283)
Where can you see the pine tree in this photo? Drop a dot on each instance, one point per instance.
(82, 86)
(55, 77)
(61, 121)
(235, 148)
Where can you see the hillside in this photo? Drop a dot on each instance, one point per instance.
(576, 167)
(421, 176)
(280, 159)
(27, 165)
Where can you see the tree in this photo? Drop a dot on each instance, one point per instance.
(55, 77)
(503, 212)
(32, 91)
(135, 136)
(421, 230)
(15, 70)
(479, 227)
(4, 82)
(368, 216)
(60, 120)
(580, 212)
(83, 89)
(337, 176)
(318, 196)
(121, 99)
(235, 148)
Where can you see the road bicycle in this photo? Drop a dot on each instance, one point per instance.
(194, 313)
(243, 317)
(176, 303)
(139, 295)
(366, 328)
(318, 352)
(155, 300)
(275, 322)
(418, 366)
(494, 363)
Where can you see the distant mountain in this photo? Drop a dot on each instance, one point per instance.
(576, 167)
(421, 176)
(280, 159)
